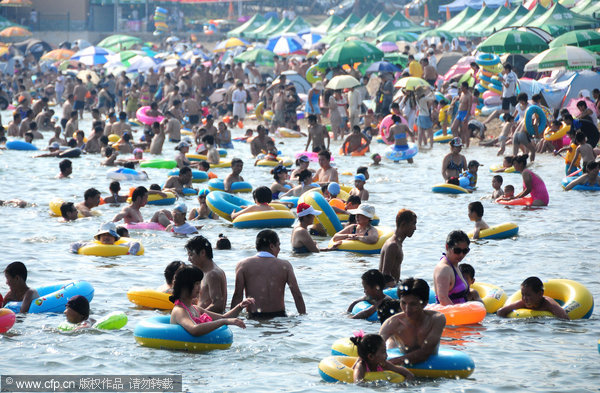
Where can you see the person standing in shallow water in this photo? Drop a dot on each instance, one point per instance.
(392, 255)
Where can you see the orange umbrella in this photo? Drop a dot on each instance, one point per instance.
(15, 31)
(58, 54)
(16, 3)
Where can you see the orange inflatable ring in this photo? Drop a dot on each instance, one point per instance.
(468, 313)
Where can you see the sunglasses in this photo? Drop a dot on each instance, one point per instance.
(458, 250)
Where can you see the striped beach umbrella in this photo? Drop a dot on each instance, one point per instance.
(92, 55)
(285, 44)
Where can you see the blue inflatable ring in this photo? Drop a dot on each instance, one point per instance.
(20, 145)
(487, 59)
(395, 154)
(197, 175)
(53, 298)
(218, 185)
(534, 109)
(223, 204)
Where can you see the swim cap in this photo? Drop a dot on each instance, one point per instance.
(333, 188)
(360, 177)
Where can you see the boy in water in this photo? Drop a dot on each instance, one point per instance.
(471, 173)
(16, 279)
(476, 214)
(77, 312)
(203, 211)
(180, 226)
(359, 187)
(107, 235)
(262, 197)
(373, 282)
(509, 191)
(114, 197)
(497, 186)
(236, 168)
(468, 273)
(532, 292)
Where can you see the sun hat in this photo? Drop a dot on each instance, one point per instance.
(365, 210)
(333, 188)
(181, 145)
(181, 208)
(54, 145)
(108, 227)
(304, 209)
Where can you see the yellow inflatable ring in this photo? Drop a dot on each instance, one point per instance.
(55, 205)
(223, 163)
(364, 248)
(114, 138)
(258, 111)
(268, 115)
(493, 296)
(496, 168)
(287, 133)
(286, 162)
(553, 136)
(502, 231)
(328, 219)
(576, 299)
(268, 219)
(493, 88)
(156, 199)
(310, 74)
(339, 369)
(187, 132)
(150, 298)
(485, 72)
(104, 250)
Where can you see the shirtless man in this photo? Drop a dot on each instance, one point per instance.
(213, 289)
(79, 94)
(192, 109)
(259, 143)
(327, 173)
(210, 126)
(264, 278)
(173, 128)
(121, 127)
(72, 125)
(236, 168)
(390, 261)
(67, 108)
(131, 214)
(159, 137)
(317, 134)
(177, 183)
(354, 142)
(415, 331)
(112, 119)
(461, 120)
(13, 126)
(91, 199)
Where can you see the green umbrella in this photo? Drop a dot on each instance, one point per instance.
(398, 35)
(513, 41)
(564, 57)
(258, 56)
(349, 52)
(119, 42)
(588, 39)
(396, 58)
(125, 56)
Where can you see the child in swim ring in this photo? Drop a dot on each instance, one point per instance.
(509, 191)
(497, 186)
(532, 298)
(16, 279)
(476, 214)
(359, 187)
(203, 211)
(372, 356)
(107, 235)
(373, 283)
(468, 273)
(77, 312)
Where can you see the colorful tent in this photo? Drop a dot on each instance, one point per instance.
(267, 26)
(298, 25)
(328, 24)
(251, 24)
(559, 19)
(484, 24)
(348, 23)
(365, 20)
(587, 7)
(396, 22)
(278, 29)
(531, 16)
(508, 20)
(474, 20)
(458, 19)
(377, 22)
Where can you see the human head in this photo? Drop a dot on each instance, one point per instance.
(473, 165)
(92, 196)
(414, 296)
(520, 162)
(522, 98)
(497, 182)
(373, 283)
(185, 174)
(306, 212)
(262, 195)
(324, 158)
(456, 143)
(591, 167)
(359, 181)
(476, 209)
(114, 187)
(532, 291)
(68, 211)
(223, 243)
(365, 210)
(107, 234)
(179, 213)
(183, 147)
(376, 158)
(364, 171)
(457, 246)
(304, 175)
(267, 240)
(312, 119)
(370, 347)
(77, 309)
(302, 160)
(579, 138)
(509, 190)
(406, 221)
(468, 272)
(187, 281)
(197, 245)
(237, 165)
(139, 192)
(507, 67)
(16, 270)
(279, 171)
(171, 269)
(333, 189)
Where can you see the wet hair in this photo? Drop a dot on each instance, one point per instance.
(223, 243)
(262, 194)
(582, 103)
(367, 345)
(498, 178)
(416, 287)
(16, 269)
(509, 187)
(185, 170)
(536, 97)
(185, 279)
(579, 137)
(305, 174)
(266, 238)
(522, 159)
(312, 118)
(171, 269)
(204, 164)
(508, 66)
(199, 243)
(115, 186)
(236, 161)
(64, 164)
(534, 283)
(456, 237)
(404, 216)
(325, 154)
(454, 180)
(467, 269)
(354, 199)
(509, 159)
(139, 192)
(374, 279)
(508, 117)
(522, 97)
(90, 193)
(122, 231)
(66, 207)
(209, 140)
(362, 169)
(477, 208)
(104, 140)
(108, 151)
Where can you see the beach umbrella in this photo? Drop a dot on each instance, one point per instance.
(341, 82)
(350, 52)
(81, 43)
(258, 56)
(92, 55)
(140, 64)
(383, 66)
(285, 44)
(230, 43)
(311, 39)
(119, 42)
(15, 31)
(588, 39)
(58, 54)
(411, 83)
(396, 58)
(398, 35)
(83, 75)
(564, 57)
(513, 41)
(387, 46)
(123, 57)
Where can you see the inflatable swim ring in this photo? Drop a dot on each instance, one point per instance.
(287, 133)
(157, 332)
(339, 369)
(258, 111)
(7, 319)
(497, 168)
(104, 250)
(364, 248)
(20, 145)
(199, 157)
(218, 185)
(525, 201)
(151, 226)
(489, 94)
(197, 175)
(157, 163)
(150, 298)
(494, 89)
(124, 174)
(159, 200)
(363, 305)
(142, 116)
(439, 137)
(556, 135)
(286, 162)
(575, 299)
(468, 313)
(53, 298)
(395, 154)
(311, 76)
(223, 204)
(488, 110)
(502, 231)
(579, 187)
(493, 296)
(447, 363)
(445, 188)
(384, 127)
(114, 321)
(534, 109)
(267, 219)
(328, 219)
(487, 59)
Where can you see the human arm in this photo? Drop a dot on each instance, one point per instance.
(308, 140)
(182, 318)
(295, 289)
(527, 184)
(235, 311)
(355, 302)
(555, 308)
(580, 180)
(442, 281)
(504, 311)
(389, 366)
(359, 371)
(344, 233)
(476, 232)
(444, 166)
(238, 292)
(27, 299)
(227, 183)
(575, 159)
(430, 343)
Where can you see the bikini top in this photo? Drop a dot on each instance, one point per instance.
(453, 165)
(203, 318)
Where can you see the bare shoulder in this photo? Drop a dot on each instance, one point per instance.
(436, 317)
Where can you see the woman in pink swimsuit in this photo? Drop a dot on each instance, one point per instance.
(532, 184)
(195, 320)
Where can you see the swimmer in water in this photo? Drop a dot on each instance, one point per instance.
(169, 273)
(302, 242)
(372, 356)
(77, 312)
(262, 197)
(532, 298)
(16, 279)
(476, 215)
(107, 235)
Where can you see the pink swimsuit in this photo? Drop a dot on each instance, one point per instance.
(203, 318)
(538, 188)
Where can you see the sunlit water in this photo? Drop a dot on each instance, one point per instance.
(282, 355)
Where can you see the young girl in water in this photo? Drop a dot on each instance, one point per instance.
(372, 356)
(195, 320)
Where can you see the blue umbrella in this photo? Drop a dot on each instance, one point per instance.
(285, 44)
(310, 39)
(92, 55)
(383, 66)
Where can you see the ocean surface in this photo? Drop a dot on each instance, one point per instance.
(542, 355)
